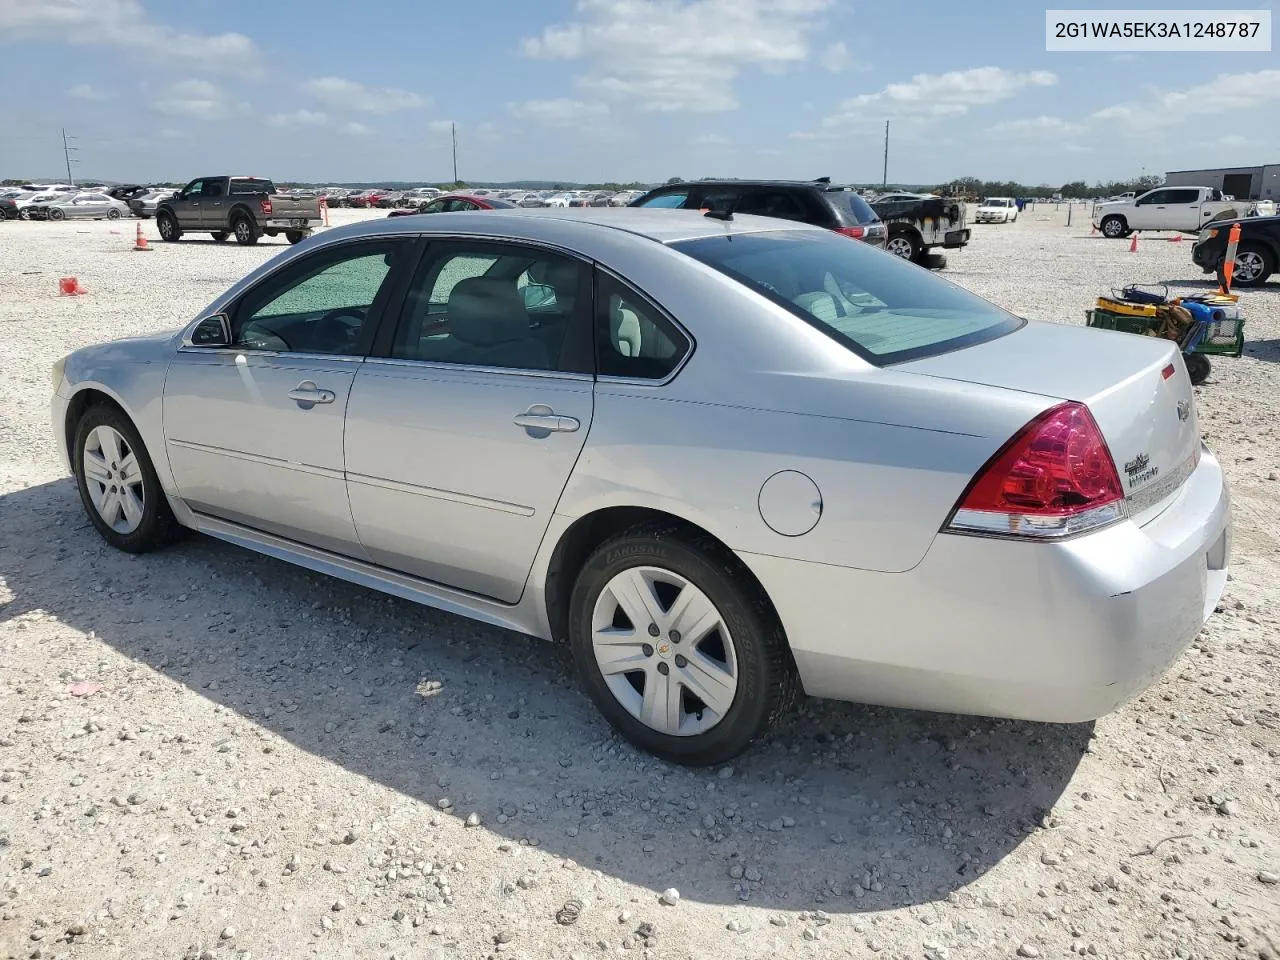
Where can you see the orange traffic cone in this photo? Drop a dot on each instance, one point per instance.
(70, 287)
(1176, 238)
(1133, 244)
(1092, 231)
(141, 242)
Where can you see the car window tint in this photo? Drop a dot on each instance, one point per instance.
(633, 339)
(248, 185)
(884, 309)
(195, 188)
(669, 201)
(493, 305)
(1157, 196)
(1183, 196)
(212, 188)
(319, 305)
(769, 203)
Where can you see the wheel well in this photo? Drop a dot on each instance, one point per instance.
(586, 533)
(900, 227)
(77, 408)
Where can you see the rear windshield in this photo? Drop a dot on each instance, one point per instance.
(853, 205)
(881, 307)
(243, 185)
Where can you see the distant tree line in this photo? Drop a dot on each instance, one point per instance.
(1075, 190)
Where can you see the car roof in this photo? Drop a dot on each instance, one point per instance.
(823, 185)
(565, 225)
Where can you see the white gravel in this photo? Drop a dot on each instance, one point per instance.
(279, 765)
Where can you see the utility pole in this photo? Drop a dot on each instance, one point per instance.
(884, 183)
(66, 155)
(454, 128)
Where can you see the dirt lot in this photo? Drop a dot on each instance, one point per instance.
(279, 765)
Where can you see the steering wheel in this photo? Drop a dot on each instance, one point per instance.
(331, 331)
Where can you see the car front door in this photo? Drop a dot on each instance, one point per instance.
(1152, 212)
(464, 425)
(186, 205)
(254, 427)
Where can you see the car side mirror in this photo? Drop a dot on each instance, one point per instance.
(212, 331)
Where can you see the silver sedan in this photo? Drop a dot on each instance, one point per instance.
(724, 459)
(90, 206)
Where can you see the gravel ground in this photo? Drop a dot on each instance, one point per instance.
(279, 765)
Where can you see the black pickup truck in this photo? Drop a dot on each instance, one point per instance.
(917, 223)
(244, 207)
(1257, 253)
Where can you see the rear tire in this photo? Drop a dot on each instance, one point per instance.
(933, 261)
(4, 215)
(113, 214)
(746, 650)
(153, 525)
(296, 236)
(903, 244)
(219, 235)
(167, 224)
(1198, 367)
(246, 231)
(56, 214)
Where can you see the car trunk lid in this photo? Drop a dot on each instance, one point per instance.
(1136, 388)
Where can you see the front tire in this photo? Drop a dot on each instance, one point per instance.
(296, 236)
(246, 231)
(167, 224)
(1198, 367)
(1254, 264)
(699, 698)
(56, 214)
(113, 214)
(219, 236)
(118, 484)
(1114, 227)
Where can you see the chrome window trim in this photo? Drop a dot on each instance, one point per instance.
(476, 368)
(227, 351)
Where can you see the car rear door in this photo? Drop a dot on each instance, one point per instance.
(254, 428)
(465, 424)
(213, 204)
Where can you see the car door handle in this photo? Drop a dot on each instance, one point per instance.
(550, 422)
(308, 392)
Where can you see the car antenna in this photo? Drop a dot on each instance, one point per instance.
(822, 180)
(725, 215)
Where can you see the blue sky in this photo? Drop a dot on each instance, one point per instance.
(593, 90)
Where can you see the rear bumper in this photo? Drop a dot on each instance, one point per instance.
(955, 238)
(291, 223)
(1050, 632)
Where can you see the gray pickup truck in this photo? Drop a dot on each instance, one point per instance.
(244, 207)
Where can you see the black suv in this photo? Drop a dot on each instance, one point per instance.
(810, 201)
(1257, 255)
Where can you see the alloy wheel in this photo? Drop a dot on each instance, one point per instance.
(242, 230)
(665, 651)
(1248, 266)
(899, 247)
(114, 480)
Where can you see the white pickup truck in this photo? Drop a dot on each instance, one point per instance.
(1184, 209)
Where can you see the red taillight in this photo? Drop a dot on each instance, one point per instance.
(1055, 478)
(856, 232)
(266, 206)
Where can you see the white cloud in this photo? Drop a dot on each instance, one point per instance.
(1220, 97)
(1038, 127)
(123, 23)
(298, 118)
(836, 58)
(711, 140)
(560, 113)
(193, 98)
(349, 95)
(85, 91)
(938, 95)
(678, 54)
(357, 129)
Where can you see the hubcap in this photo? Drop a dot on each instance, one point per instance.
(664, 651)
(899, 247)
(114, 479)
(166, 227)
(1111, 228)
(1248, 266)
(242, 231)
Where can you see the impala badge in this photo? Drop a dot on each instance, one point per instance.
(1139, 470)
(1184, 410)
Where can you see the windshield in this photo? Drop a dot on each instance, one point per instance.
(998, 202)
(883, 308)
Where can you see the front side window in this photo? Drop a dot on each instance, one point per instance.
(1156, 196)
(495, 305)
(633, 339)
(668, 201)
(323, 304)
(882, 308)
(194, 189)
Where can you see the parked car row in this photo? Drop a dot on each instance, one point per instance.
(419, 197)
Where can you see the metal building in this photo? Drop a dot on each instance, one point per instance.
(1243, 183)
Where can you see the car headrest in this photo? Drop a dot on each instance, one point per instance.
(484, 311)
(559, 274)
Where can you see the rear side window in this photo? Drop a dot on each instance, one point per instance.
(882, 308)
(244, 185)
(771, 203)
(633, 338)
(852, 206)
(669, 201)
